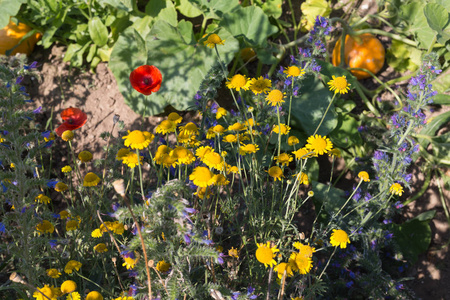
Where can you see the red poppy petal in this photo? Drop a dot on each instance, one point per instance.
(74, 117)
(146, 79)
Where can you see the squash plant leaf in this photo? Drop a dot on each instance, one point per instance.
(9, 8)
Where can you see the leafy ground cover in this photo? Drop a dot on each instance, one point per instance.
(216, 239)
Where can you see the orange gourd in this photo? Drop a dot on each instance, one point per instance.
(365, 51)
(11, 35)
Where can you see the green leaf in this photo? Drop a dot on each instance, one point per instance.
(426, 216)
(98, 31)
(307, 110)
(91, 53)
(441, 148)
(441, 99)
(126, 5)
(331, 197)
(250, 23)
(163, 10)
(413, 13)
(272, 8)
(186, 30)
(437, 16)
(215, 9)
(403, 57)
(413, 238)
(442, 82)
(187, 9)
(346, 132)
(430, 128)
(71, 51)
(142, 25)
(9, 8)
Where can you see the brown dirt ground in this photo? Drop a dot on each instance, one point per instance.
(97, 94)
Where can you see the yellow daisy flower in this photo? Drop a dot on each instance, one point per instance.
(183, 155)
(213, 160)
(72, 225)
(101, 248)
(284, 267)
(319, 144)
(303, 153)
(231, 169)
(302, 178)
(67, 135)
(72, 265)
(201, 193)
(275, 97)
(303, 263)
(97, 233)
(396, 189)
(284, 129)
(334, 152)
(284, 159)
(219, 179)
(213, 40)
(294, 71)
(47, 291)
(163, 266)
(221, 112)
(238, 82)
(218, 129)
(175, 118)
(248, 148)
(305, 250)
(68, 286)
(230, 138)
(137, 139)
(160, 152)
(94, 295)
(339, 238)
(293, 140)
(53, 273)
(91, 179)
(260, 85)
(202, 177)
(130, 262)
(363, 175)
(165, 127)
(276, 173)
(61, 187)
(169, 160)
(265, 254)
(66, 169)
(122, 153)
(41, 198)
(132, 160)
(236, 127)
(189, 129)
(73, 296)
(339, 85)
(85, 156)
(233, 252)
(64, 214)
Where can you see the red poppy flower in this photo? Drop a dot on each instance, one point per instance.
(73, 119)
(146, 79)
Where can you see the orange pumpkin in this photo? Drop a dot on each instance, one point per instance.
(11, 35)
(365, 51)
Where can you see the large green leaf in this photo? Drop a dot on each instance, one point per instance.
(430, 128)
(308, 109)
(187, 9)
(313, 8)
(215, 9)
(271, 7)
(346, 132)
(126, 5)
(251, 23)
(413, 237)
(437, 16)
(442, 82)
(98, 31)
(441, 99)
(9, 8)
(331, 197)
(413, 13)
(183, 65)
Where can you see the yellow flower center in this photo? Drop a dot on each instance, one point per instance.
(340, 83)
(214, 39)
(275, 172)
(238, 81)
(293, 71)
(264, 254)
(136, 137)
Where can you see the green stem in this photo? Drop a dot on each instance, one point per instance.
(390, 35)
